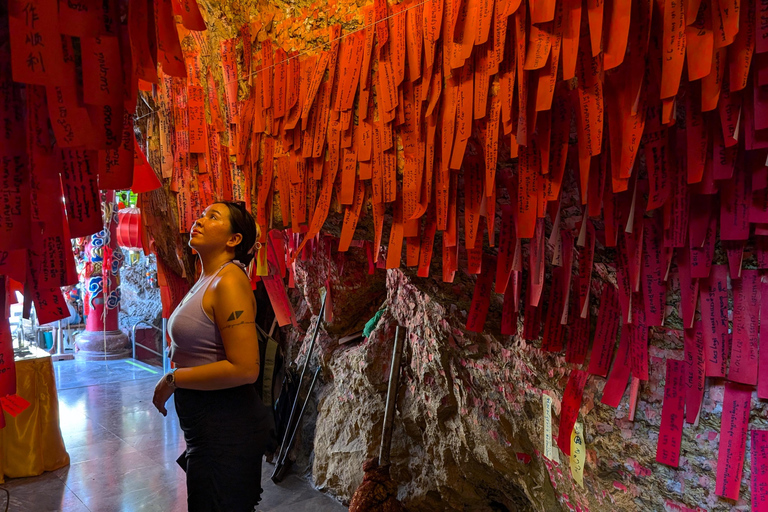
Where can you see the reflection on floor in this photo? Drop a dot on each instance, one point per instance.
(123, 451)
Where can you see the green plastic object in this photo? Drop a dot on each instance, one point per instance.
(372, 323)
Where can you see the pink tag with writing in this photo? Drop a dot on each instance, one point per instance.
(14, 265)
(759, 174)
(536, 275)
(701, 256)
(36, 54)
(634, 389)
(753, 139)
(723, 158)
(584, 281)
(695, 367)
(759, 469)
(758, 207)
(611, 207)
(698, 219)
(622, 279)
(481, 299)
(554, 330)
(735, 196)
(638, 352)
(605, 332)
(506, 249)
(761, 43)
(7, 363)
(509, 311)
(652, 275)
(762, 382)
(328, 317)
(578, 339)
(671, 428)
(567, 244)
(677, 229)
(369, 253)
(634, 242)
(735, 250)
(714, 315)
(689, 288)
(531, 322)
(278, 297)
(14, 404)
(617, 380)
(733, 439)
(50, 304)
(708, 185)
(746, 311)
(761, 251)
(569, 410)
(659, 167)
(730, 114)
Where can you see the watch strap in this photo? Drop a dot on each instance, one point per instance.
(170, 378)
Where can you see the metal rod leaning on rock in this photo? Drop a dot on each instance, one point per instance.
(283, 452)
(281, 467)
(378, 491)
(389, 412)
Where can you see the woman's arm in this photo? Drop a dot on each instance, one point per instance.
(235, 317)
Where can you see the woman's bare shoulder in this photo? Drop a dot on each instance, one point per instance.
(232, 276)
(232, 279)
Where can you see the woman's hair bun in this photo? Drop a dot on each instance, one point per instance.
(241, 221)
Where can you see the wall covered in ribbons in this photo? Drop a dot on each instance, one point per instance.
(579, 187)
(526, 143)
(67, 101)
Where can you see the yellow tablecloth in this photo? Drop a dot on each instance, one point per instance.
(31, 442)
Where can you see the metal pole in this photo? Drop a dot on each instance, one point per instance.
(301, 414)
(314, 339)
(389, 412)
(164, 349)
(280, 454)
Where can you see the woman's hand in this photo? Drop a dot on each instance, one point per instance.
(163, 392)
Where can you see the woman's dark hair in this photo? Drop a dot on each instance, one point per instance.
(241, 221)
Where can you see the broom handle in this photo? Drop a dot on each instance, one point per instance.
(280, 455)
(301, 414)
(389, 412)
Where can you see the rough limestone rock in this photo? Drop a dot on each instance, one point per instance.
(469, 427)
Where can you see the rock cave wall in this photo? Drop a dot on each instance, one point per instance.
(469, 425)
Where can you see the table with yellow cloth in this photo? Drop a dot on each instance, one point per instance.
(31, 442)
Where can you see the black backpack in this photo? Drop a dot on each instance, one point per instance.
(277, 383)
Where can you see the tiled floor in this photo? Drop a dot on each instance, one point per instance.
(123, 451)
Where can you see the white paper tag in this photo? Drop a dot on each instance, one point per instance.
(550, 452)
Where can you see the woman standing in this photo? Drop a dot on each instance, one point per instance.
(214, 344)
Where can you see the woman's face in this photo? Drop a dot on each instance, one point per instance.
(213, 229)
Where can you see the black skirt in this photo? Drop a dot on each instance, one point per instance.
(226, 433)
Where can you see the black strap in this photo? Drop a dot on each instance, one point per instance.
(267, 366)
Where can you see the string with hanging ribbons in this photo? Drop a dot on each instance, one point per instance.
(307, 51)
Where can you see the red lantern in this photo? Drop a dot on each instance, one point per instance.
(129, 229)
